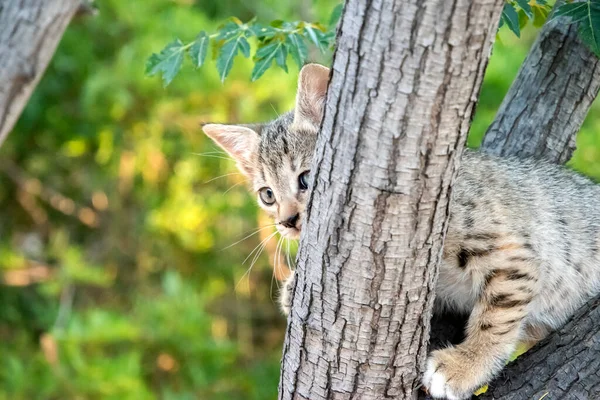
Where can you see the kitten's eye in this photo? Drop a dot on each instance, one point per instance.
(303, 180)
(267, 196)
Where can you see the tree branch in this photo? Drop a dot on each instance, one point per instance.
(564, 366)
(29, 33)
(549, 99)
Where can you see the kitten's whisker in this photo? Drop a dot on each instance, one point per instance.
(261, 246)
(234, 185)
(246, 237)
(291, 265)
(213, 152)
(212, 156)
(278, 267)
(222, 176)
(274, 270)
(258, 246)
(259, 252)
(273, 107)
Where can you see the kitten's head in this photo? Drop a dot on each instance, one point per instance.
(276, 156)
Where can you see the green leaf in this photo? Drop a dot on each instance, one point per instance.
(264, 58)
(524, 4)
(168, 61)
(297, 48)
(315, 36)
(587, 14)
(281, 58)
(336, 14)
(228, 31)
(226, 55)
(511, 18)
(540, 14)
(244, 46)
(199, 49)
(523, 19)
(577, 11)
(589, 29)
(262, 31)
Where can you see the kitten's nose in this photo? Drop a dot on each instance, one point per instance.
(291, 221)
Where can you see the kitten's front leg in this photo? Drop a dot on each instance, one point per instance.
(285, 296)
(493, 332)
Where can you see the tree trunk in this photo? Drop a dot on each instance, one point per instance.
(540, 117)
(406, 77)
(29, 33)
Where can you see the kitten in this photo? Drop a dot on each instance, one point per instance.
(522, 251)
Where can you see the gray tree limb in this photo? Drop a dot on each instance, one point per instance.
(548, 101)
(406, 75)
(29, 33)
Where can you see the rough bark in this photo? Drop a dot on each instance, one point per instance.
(405, 78)
(548, 101)
(29, 33)
(564, 366)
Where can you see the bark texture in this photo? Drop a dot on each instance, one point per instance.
(29, 33)
(564, 366)
(406, 76)
(548, 101)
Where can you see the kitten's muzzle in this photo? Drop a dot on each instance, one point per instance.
(291, 221)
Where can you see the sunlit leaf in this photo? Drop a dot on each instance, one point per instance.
(524, 4)
(315, 36)
(228, 52)
(540, 14)
(262, 31)
(264, 58)
(228, 31)
(168, 61)
(297, 48)
(199, 49)
(280, 57)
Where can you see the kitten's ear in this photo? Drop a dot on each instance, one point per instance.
(310, 98)
(240, 142)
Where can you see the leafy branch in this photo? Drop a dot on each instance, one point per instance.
(587, 15)
(517, 13)
(273, 43)
(277, 41)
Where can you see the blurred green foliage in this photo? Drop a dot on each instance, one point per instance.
(115, 281)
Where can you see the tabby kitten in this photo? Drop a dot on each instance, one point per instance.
(521, 253)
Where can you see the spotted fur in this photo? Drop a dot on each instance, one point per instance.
(522, 251)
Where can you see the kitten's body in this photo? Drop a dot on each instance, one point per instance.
(520, 256)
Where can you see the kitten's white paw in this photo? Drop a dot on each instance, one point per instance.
(436, 383)
(454, 374)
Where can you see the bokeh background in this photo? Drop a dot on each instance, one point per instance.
(121, 276)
